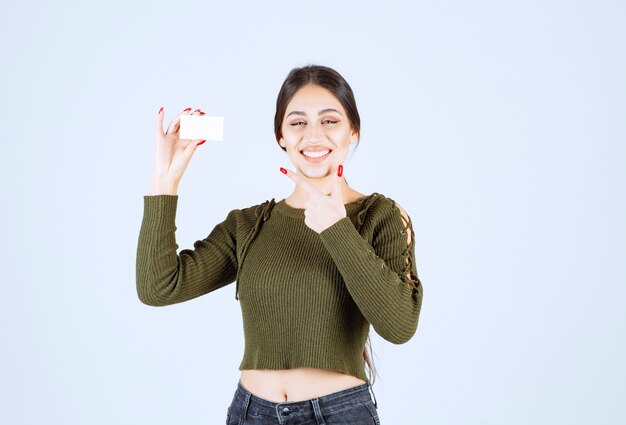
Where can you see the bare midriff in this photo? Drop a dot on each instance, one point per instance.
(296, 384)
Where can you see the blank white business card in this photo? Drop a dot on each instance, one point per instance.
(202, 127)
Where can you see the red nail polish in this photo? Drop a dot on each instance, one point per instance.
(282, 170)
(188, 109)
(202, 113)
(340, 170)
(201, 142)
(160, 109)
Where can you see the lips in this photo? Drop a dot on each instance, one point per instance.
(315, 154)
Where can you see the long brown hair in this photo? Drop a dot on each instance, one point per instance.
(331, 80)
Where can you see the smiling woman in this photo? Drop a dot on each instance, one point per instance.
(313, 271)
(316, 130)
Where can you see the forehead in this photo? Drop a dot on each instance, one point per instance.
(312, 98)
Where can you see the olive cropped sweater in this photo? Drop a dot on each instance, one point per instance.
(307, 299)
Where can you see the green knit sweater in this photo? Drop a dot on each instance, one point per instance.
(307, 299)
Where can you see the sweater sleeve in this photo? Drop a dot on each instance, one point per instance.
(165, 277)
(381, 277)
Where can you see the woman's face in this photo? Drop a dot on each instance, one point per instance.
(316, 132)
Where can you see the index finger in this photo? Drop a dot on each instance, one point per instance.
(175, 124)
(159, 122)
(308, 188)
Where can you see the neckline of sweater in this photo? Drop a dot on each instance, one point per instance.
(351, 207)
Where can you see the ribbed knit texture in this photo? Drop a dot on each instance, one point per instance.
(307, 299)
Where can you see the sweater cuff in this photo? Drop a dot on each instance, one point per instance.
(159, 209)
(343, 241)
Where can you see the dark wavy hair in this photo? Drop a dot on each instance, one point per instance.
(322, 76)
(331, 80)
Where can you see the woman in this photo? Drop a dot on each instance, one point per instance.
(313, 270)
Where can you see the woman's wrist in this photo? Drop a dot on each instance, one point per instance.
(160, 187)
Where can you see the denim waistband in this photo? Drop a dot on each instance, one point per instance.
(329, 402)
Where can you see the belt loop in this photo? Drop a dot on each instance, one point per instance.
(373, 395)
(318, 412)
(246, 404)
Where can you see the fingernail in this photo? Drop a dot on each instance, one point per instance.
(201, 142)
(188, 109)
(340, 170)
(160, 110)
(197, 110)
(282, 170)
(201, 113)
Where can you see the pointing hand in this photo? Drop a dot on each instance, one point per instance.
(320, 210)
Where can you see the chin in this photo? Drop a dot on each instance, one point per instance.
(315, 172)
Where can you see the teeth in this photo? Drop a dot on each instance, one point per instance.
(315, 154)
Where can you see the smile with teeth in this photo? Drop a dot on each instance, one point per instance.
(316, 154)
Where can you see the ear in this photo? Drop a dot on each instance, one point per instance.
(353, 137)
(281, 142)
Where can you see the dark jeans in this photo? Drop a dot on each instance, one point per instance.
(350, 406)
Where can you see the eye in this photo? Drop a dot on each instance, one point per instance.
(330, 121)
(296, 123)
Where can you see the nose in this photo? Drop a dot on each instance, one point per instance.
(315, 132)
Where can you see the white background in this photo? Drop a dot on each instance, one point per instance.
(498, 125)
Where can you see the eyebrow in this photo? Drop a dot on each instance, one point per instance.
(323, 111)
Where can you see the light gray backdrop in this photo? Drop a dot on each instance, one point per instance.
(498, 125)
